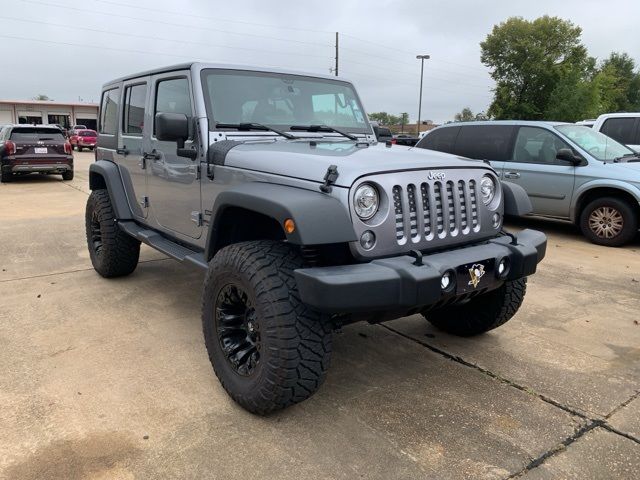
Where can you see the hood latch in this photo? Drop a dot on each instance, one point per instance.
(329, 178)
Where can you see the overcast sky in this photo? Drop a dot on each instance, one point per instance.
(68, 49)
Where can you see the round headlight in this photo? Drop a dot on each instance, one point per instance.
(366, 201)
(487, 189)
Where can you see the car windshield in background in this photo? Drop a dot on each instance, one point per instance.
(36, 134)
(282, 101)
(597, 144)
(87, 133)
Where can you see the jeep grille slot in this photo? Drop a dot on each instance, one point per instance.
(442, 209)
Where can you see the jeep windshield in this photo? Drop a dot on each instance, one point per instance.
(597, 144)
(282, 101)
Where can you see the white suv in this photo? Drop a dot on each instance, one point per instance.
(623, 127)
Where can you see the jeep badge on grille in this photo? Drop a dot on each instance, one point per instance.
(436, 175)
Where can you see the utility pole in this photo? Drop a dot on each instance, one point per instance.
(422, 58)
(337, 54)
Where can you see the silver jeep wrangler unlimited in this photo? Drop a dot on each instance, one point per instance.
(273, 183)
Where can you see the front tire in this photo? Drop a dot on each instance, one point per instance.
(609, 221)
(482, 313)
(113, 253)
(267, 348)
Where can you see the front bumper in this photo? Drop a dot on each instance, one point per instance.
(391, 284)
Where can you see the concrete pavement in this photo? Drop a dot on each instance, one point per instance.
(110, 379)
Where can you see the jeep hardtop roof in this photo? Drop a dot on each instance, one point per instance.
(226, 66)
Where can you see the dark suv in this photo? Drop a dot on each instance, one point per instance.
(34, 148)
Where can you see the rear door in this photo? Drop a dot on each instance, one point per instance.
(129, 153)
(533, 165)
(173, 181)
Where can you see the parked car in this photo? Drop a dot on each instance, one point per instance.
(569, 171)
(84, 139)
(26, 148)
(623, 127)
(404, 139)
(300, 227)
(587, 123)
(383, 134)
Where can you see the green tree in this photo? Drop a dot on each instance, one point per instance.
(618, 84)
(466, 115)
(385, 118)
(532, 62)
(42, 97)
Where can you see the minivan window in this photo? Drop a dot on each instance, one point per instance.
(172, 96)
(484, 142)
(620, 129)
(108, 112)
(537, 145)
(135, 97)
(598, 145)
(440, 139)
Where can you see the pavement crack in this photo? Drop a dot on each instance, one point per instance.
(539, 460)
(613, 429)
(622, 405)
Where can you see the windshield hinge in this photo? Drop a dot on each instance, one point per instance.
(329, 178)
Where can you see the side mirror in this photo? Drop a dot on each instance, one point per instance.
(174, 127)
(567, 155)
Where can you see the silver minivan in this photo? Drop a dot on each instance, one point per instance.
(569, 171)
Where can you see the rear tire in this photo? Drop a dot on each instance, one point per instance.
(68, 175)
(6, 177)
(609, 221)
(267, 348)
(482, 313)
(113, 253)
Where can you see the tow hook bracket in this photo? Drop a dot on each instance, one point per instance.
(417, 254)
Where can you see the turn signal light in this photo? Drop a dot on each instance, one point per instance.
(67, 148)
(289, 226)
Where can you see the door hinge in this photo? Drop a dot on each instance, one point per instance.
(144, 202)
(196, 217)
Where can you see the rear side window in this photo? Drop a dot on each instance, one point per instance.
(441, 140)
(135, 97)
(620, 129)
(109, 111)
(172, 96)
(36, 134)
(485, 142)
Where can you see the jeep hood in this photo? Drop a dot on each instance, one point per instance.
(309, 160)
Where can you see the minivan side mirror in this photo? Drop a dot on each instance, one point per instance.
(174, 127)
(567, 155)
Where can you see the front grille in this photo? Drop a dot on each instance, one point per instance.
(442, 208)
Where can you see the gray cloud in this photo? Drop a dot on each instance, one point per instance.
(70, 55)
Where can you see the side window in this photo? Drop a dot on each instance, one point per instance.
(134, 101)
(441, 140)
(172, 96)
(109, 111)
(537, 145)
(620, 129)
(484, 142)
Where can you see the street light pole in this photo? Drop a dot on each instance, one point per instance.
(422, 58)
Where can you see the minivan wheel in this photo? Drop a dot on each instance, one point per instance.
(609, 221)
(113, 253)
(482, 313)
(267, 348)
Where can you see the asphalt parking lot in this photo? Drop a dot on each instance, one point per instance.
(110, 379)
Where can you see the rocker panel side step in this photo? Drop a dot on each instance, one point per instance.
(163, 244)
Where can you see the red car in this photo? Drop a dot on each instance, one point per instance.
(34, 148)
(83, 139)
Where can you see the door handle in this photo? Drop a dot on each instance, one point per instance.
(122, 151)
(511, 175)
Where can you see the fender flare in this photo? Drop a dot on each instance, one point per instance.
(105, 174)
(319, 218)
(602, 183)
(516, 201)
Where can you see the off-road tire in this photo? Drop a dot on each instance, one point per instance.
(295, 340)
(67, 175)
(482, 313)
(5, 176)
(117, 253)
(629, 217)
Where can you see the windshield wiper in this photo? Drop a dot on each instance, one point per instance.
(322, 128)
(627, 155)
(245, 127)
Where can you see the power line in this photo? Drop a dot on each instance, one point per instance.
(183, 14)
(75, 27)
(173, 24)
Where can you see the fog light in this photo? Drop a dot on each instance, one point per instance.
(503, 267)
(496, 220)
(445, 281)
(368, 240)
